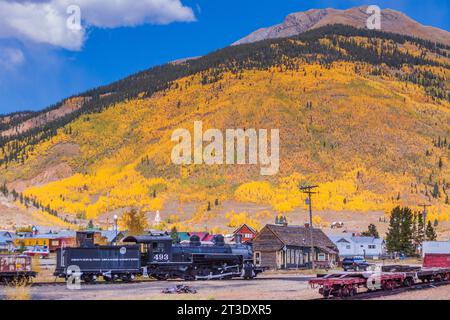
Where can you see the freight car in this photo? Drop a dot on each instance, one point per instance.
(157, 257)
(347, 284)
(15, 269)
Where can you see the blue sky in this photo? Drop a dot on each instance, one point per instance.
(37, 73)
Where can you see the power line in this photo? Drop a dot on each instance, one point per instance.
(309, 191)
(424, 213)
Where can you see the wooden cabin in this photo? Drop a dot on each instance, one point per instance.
(289, 247)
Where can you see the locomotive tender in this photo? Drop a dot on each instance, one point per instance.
(158, 257)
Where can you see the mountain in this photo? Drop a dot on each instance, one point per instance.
(364, 114)
(391, 21)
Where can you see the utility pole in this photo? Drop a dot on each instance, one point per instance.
(424, 214)
(309, 191)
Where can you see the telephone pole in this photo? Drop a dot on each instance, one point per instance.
(309, 191)
(424, 214)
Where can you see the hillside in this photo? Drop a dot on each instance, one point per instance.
(364, 114)
(391, 21)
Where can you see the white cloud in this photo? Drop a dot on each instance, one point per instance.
(11, 57)
(45, 21)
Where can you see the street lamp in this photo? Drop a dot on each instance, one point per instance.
(115, 227)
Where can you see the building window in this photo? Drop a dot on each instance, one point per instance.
(321, 257)
(348, 247)
(258, 258)
(372, 246)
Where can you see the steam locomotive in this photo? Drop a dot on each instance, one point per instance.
(158, 257)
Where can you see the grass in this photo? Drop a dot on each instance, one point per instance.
(18, 290)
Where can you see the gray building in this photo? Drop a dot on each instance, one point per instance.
(6, 241)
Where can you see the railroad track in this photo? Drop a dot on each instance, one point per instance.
(63, 283)
(384, 293)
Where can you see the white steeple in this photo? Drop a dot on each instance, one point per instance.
(157, 218)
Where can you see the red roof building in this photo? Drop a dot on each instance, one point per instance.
(246, 232)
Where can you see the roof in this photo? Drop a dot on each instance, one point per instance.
(359, 240)
(7, 234)
(442, 247)
(183, 236)
(110, 235)
(245, 225)
(300, 236)
(208, 238)
(201, 235)
(146, 239)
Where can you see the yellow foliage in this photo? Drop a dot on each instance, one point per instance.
(135, 222)
(258, 192)
(235, 220)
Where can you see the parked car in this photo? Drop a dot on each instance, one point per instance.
(41, 252)
(355, 263)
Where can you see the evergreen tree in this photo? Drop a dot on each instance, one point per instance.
(174, 235)
(406, 232)
(371, 232)
(393, 234)
(436, 193)
(430, 233)
(420, 233)
(400, 233)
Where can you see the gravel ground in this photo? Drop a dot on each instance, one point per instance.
(284, 286)
(439, 293)
(281, 287)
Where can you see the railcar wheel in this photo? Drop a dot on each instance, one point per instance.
(408, 282)
(88, 278)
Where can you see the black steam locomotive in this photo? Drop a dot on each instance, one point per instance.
(158, 257)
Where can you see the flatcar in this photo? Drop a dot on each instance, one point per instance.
(347, 284)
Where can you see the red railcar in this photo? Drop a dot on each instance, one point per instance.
(15, 267)
(437, 260)
(347, 284)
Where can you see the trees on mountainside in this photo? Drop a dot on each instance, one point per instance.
(323, 45)
(406, 231)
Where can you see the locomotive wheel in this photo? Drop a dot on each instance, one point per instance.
(160, 277)
(109, 279)
(127, 278)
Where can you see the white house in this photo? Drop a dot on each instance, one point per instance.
(6, 241)
(438, 247)
(350, 246)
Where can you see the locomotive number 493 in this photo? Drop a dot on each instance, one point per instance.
(161, 257)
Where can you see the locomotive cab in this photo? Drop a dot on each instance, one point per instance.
(154, 249)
